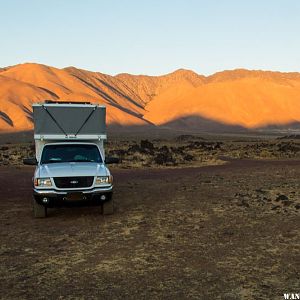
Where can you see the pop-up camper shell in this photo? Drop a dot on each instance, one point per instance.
(62, 122)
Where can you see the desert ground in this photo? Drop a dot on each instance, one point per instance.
(196, 217)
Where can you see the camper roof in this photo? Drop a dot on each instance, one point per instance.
(69, 120)
(65, 102)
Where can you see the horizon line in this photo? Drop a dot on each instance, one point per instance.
(159, 75)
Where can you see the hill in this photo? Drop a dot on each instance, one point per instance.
(233, 100)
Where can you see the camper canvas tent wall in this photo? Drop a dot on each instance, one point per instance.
(70, 156)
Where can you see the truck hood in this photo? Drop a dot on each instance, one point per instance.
(72, 169)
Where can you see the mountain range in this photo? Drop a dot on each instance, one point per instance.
(230, 100)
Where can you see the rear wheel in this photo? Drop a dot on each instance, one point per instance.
(108, 207)
(39, 211)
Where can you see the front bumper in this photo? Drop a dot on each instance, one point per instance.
(55, 197)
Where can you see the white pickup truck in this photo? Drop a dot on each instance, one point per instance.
(70, 158)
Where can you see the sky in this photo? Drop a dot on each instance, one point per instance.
(152, 37)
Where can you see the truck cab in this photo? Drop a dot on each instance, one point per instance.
(70, 158)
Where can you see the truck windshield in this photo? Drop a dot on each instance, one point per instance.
(70, 153)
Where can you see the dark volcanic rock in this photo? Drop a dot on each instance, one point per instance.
(120, 153)
(205, 145)
(134, 148)
(188, 157)
(164, 149)
(145, 144)
(147, 147)
(179, 150)
(288, 147)
(164, 157)
(282, 198)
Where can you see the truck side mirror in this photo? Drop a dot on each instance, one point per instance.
(112, 160)
(30, 161)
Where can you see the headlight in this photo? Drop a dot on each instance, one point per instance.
(42, 182)
(103, 180)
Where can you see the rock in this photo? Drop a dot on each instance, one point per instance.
(286, 147)
(164, 158)
(134, 148)
(118, 152)
(188, 157)
(260, 191)
(179, 150)
(145, 144)
(275, 207)
(244, 203)
(282, 198)
(228, 232)
(164, 149)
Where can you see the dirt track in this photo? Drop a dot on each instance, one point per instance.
(223, 232)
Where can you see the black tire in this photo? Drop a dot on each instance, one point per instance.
(39, 211)
(108, 207)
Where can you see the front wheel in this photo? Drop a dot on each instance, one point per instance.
(39, 211)
(108, 207)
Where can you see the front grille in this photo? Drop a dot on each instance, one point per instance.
(73, 182)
